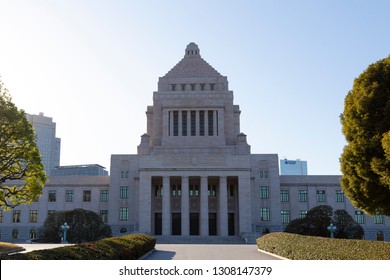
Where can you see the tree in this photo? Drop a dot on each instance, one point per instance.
(320, 217)
(346, 227)
(315, 223)
(19, 157)
(84, 226)
(365, 161)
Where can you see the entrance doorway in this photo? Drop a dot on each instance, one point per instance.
(158, 223)
(194, 223)
(212, 223)
(176, 223)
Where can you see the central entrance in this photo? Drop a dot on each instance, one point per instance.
(194, 223)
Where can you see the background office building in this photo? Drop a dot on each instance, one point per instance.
(48, 144)
(293, 167)
(80, 170)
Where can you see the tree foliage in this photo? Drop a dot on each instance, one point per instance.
(320, 217)
(19, 156)
(314, 224)
(84, 226)
(365, 161)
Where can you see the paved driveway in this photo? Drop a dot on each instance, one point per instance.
(207, 252)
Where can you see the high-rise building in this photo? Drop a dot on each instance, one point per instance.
(48, 144)
(293, 167)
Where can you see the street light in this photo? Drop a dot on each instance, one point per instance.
(64, 227)
(331, 229)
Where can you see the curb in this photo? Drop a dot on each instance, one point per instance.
(144, 256)
(273, 255)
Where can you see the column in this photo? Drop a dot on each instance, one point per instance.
(204, 207)
(180, 132)
(166, 207)
(223, 207)
(185, 206)
(244, 202)
(145, 204)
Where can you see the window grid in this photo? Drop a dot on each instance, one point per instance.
(1, 216)
(264, 192)
(321, 196)
(302, 214)
(124, 192)
(52, 196)
(104, 196)
(284, 195)
(265, 214)
(33, 216)
(87, 196)
(378, 219)
(104, 216)
(123, 214)
(69, 194)
(340, 196)
(302, 196)
(16, 216)
(285, 215)
(359, 217)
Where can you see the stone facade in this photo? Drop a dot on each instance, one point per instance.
(193, 174)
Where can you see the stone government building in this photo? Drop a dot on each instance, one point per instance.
(193, 174)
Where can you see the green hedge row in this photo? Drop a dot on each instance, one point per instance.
(302, 247)
(128, 247)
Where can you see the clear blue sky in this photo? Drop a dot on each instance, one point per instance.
(93, 66)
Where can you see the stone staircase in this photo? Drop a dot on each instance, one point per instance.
(199, 239)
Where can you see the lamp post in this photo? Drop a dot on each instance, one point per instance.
(64, 227)
(331, 229)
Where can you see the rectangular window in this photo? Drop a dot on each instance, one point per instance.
(193, 123)
(124, 192)
(33, 216)
(263, 174)
(183, 87)
(69, 194)
(201, 123)
(378, 218)
(285, 216)
(173, 87)
(16, 216)
(184, 123)
(175, 123)
(212, 87)
(339, 196)
(284, 195)
(359, 217)
(302, 196)
(1, 216)
(321, 196)
(87, 196)
(302, 214)
(124, 174)
(194, 190)
(265, 214)
(123, 214)
(176, 190)
(104, 216)
(212, 190)
(52, 196)
(211, 123)
(158, 190)
(104, 196)
(192, 87)
(264, 192)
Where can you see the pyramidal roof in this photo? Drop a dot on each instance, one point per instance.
(192, 65)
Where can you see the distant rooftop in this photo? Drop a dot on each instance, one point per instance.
(80, 170)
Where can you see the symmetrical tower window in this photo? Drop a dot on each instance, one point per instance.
(192, 123)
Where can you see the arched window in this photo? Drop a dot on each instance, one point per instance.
(15, 234)
(380, 236)
(33, 234)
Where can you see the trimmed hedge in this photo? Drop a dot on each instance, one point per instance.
(302, 247)
(128, 247)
